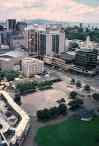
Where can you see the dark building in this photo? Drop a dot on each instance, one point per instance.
(42, 44)
(2, 28)
(86, 59)
(11, 25)
(55, 43)
(37, 42)
(20, 26)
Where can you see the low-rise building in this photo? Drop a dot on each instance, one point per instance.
(32, 66)
(11, 60)
(86, 59)
(17, 41)
(14, 122)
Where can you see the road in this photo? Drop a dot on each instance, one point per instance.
(93, 81)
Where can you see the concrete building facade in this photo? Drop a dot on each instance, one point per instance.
(32, 66)
(45, 42)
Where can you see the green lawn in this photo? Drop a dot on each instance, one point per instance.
(70, 133)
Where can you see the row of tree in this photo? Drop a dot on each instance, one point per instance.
(52, 113)
(32, 86)
(79, 85)
(75, 102)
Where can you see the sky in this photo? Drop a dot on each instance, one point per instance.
(58, 10)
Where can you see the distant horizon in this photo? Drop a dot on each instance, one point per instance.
(86, 11)
(49, 20)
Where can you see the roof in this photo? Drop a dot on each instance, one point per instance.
(25, 118)
(68, 55)
(14, 54)
(86, 50)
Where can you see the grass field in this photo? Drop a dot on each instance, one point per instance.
(70, 133)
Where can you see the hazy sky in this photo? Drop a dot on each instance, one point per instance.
(60, 10)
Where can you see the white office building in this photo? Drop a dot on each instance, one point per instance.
(32, 66)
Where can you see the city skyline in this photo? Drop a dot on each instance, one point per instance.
(65, 10)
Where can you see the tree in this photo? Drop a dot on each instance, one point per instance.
(17, 98)
(75, 104)
(10, 75)
(25, 87)
(96, 96)
(78, 84)
(43, 115)
(73, 95)
(62, 100)
(72, 81)
(54, 112)
(62, 109)
(87, 88)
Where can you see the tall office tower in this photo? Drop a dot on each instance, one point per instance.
(11, 25)
(49, 51)
(45, 42)
(32, 41)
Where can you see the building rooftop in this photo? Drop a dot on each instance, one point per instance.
(13, 119)
(14, 54)
(86, 50)
(29, 59)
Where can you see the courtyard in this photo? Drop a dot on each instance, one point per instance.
(45, 99)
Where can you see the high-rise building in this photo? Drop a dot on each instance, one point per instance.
(45, 42)
(11, 25)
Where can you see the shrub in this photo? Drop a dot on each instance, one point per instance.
(87, 88)
(62, 109)
(10, 75)
(62, 100)
(78, 84)
(17, 99)
(75, 104)
(43, 115)
(73, 81)
(73, 95)
(52, 113)
(96, 96)
(25, 87)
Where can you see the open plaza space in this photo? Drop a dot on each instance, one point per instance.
(70, 133)
(47, 98)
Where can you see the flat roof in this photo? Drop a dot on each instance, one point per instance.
(14, 54)
(86, 50)
(25, 118)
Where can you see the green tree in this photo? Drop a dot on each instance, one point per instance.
(78, 84)
(87, 88)
(43, 115)
(74, 104)
(17, 98)
(9, 74)
(96, 96)
(72, 81)
(73, 95)
(62, 109)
